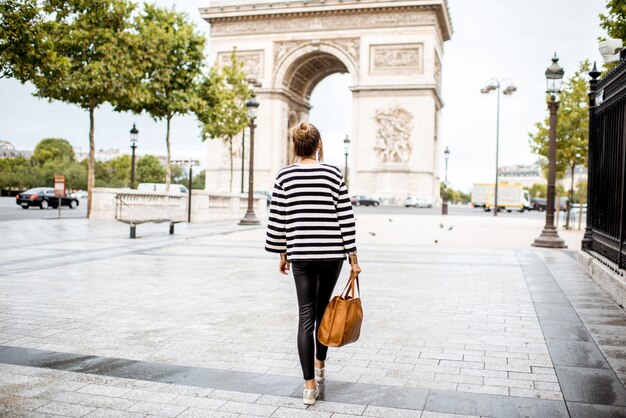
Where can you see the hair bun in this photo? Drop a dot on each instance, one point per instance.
(306, 138)
(302, 131)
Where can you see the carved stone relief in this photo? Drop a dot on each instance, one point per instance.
(281, 49)
(252, 62)
(326, 22)
(393, 135)
(396, 58)
(437, 69)
(349, 45)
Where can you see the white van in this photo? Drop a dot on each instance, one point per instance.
(160, 187)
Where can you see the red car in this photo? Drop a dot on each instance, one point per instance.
(43, 197)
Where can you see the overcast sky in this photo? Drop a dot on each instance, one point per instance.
(492, 38)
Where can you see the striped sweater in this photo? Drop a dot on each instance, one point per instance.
(310, 215)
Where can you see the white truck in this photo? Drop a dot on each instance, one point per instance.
(511, 196)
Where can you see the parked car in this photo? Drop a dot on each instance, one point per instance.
(362, 200)
(417, 202)
(44, 197)
(541, 203)
(79, 194)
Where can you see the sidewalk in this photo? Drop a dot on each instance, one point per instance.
(201, 324)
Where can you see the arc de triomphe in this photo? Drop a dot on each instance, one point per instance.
(392, 50)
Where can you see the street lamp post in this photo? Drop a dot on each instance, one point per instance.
(509, 88)
(444, 204)
(134, 133)
(549, 237)
(346, 150)
(243, 149)
(250, 218)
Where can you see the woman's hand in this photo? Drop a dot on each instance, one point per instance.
(356, 269)
(284, 266)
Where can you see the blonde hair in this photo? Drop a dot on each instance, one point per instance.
(305, 139)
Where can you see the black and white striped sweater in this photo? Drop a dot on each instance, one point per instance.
(311, 215)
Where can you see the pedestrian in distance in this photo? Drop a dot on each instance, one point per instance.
(311, 225)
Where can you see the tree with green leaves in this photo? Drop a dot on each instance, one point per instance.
(614, 23)
(53, 149)
(21, 43)
(538, 190)
(113, 173)
(85, 57)
(614, 20)
(222, 111)
(179, 174)
(170, 56)
(150, 170)
(572, 127)
(199, 180)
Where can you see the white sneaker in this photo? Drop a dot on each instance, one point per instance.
(320, 375)
(310, 395)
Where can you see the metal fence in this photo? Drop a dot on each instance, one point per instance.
(606, 215)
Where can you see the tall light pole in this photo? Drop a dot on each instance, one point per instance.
(549, 237)
(134, 135)
(346, 150)
(444, 205)
(253, 107)
(509, 88)
(243, 148)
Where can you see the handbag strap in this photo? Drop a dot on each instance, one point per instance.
(350, 286)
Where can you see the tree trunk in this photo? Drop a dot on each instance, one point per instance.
(91, 166)
(168, 167)
(230, 142)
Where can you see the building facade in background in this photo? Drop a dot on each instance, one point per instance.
(531, 174)
(393, 51)
(7, 150)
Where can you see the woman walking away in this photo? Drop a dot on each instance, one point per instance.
(311, 225)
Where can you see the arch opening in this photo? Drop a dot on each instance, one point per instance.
(331, 112)
(309, 70)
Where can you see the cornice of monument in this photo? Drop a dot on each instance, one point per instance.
(251, 10)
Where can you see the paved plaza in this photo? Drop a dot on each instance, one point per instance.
(462, 317)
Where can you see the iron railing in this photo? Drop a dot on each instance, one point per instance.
(606, 213)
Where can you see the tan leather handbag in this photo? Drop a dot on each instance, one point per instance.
(341, 323)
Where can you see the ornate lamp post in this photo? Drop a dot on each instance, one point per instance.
(549, 237)
(346, 150)
(134, 134)
(509, 88)
(444, 205)
(250, 218)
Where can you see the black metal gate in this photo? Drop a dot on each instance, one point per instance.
(606, 209)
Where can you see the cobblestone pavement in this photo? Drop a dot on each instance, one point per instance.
(201, 324)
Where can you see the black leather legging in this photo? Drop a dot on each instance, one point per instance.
(315, 281)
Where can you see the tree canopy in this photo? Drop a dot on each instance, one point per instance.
(170, 57)
(614, 20)
(75, 51)
(150, 170)
(53, 150)
(21, 43)
(222, 109)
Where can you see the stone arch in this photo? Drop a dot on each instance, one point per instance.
(392, 51)
(320, 60)
(301, 69)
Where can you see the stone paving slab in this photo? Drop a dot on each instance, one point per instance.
(466, 331)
